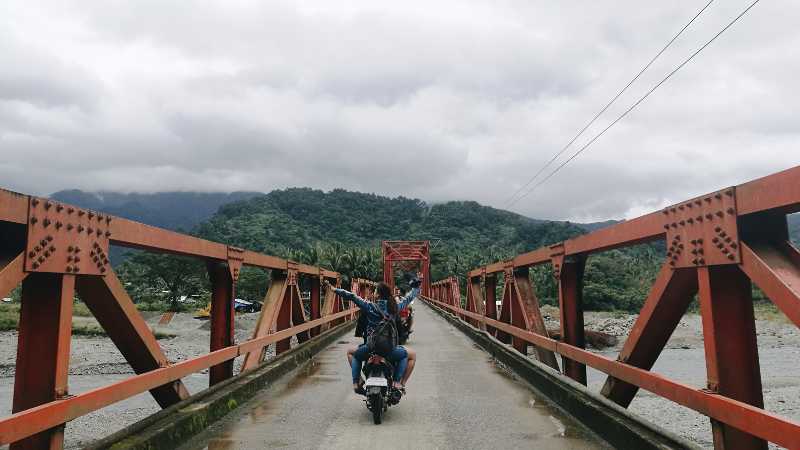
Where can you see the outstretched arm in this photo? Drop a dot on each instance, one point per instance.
(405, 301)
(347, 295)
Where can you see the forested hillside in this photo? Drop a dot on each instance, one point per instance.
(317, 227)
(295, 219)
(342, 230)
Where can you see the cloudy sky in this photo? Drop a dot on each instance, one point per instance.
(438, 100)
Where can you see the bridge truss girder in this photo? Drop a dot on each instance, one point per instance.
(409, 255)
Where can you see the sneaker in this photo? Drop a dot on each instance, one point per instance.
(360, 390)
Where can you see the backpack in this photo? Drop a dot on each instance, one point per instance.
(383, 338)
(361, 325)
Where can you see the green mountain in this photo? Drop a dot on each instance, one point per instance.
(342, 230)
(303, 224)
(462, 231)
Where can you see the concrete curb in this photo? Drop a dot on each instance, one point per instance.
(170, 427)
(617, 426)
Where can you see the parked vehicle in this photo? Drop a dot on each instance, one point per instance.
(244, 306)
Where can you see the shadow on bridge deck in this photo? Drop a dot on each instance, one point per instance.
(457, 398)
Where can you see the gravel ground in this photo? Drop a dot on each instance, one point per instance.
(96, 362)
(684, 360)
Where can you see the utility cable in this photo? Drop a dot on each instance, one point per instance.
(635, 104)
(511, 199)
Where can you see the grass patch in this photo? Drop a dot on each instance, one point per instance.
(9, 321)
(79, 309)
(766, 310)
(87, 330)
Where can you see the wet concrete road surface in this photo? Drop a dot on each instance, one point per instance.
(457, 398)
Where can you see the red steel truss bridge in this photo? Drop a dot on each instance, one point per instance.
(718, 247)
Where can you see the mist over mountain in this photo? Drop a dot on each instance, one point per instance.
(171, 210)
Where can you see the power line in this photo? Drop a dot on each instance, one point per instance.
(511, 200)
(635, 104)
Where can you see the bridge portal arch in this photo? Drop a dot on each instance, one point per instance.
(409, 255)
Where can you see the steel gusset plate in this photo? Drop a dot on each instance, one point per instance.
(66, 239)
(703, 231)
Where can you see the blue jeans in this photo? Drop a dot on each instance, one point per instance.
(398, 357)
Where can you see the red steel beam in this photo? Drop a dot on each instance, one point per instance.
(570, 301)
(132, 234)
(729, 336)
(12, 274)
(775, 269)
(532, 315)
(756, 421)
(114, 310)
(267, 318)
(13, 207)
(490, 287)
(34, 420)
(43, 351)
(780, 191)
(666, 303)
(222, 318)
(315, 303)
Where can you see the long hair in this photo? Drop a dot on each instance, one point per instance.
(385, 293)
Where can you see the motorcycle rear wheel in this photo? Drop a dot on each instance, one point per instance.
(377, 408)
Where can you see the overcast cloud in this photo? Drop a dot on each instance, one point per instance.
(438, 100)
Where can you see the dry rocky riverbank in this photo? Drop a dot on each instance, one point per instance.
(683, 359)
(96, 362)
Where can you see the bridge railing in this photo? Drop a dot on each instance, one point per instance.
(718, 246)
(55, 251)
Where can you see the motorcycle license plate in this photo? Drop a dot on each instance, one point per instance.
(376, 381)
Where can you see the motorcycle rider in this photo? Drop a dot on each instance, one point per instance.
(385, 305)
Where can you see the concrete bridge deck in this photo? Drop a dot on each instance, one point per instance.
(457, 398)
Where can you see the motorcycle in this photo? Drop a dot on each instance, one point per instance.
(379, 387)
(405, 320)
